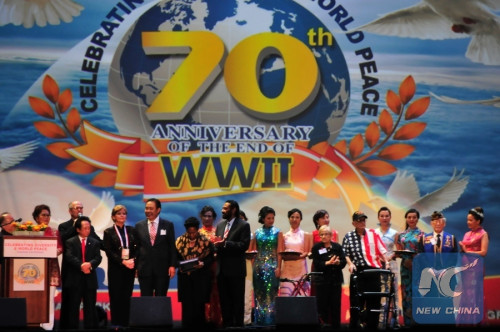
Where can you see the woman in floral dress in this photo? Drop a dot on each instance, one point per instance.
(408, 240)
(193, 282)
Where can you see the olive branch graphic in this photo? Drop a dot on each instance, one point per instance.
(370, 162)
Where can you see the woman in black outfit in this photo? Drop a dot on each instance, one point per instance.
(329, 259)
(119, 245)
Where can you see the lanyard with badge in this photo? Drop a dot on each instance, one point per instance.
(125, 249)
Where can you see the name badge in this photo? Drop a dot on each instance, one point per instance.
(322, 251)
(163, 232)
(125, 253)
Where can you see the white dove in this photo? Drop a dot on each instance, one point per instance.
(39, 12)
(404, 194)
(495, 101)
(101, 214)
(13, 155)
(447, 19)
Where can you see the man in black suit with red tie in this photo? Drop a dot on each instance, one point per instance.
(82, 255)
(156, 253)
(234, 234)
(66, 231)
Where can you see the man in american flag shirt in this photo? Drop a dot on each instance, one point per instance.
(364, 250)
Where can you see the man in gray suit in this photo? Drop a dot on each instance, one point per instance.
(234, 235)
(156, 254)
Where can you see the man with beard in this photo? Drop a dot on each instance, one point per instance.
(233, 240)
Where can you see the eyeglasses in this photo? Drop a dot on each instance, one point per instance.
(45, 215)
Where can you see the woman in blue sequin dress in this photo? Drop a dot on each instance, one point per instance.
(268, 242)
(408, 240)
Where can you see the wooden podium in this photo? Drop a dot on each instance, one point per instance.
(25, 273)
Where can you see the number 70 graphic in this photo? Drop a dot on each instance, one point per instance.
(206, 57)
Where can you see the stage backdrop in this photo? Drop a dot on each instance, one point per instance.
(309, 104)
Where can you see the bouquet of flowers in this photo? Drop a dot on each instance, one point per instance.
(29, 226)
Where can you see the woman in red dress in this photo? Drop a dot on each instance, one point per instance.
(213, 313)
(41, 214)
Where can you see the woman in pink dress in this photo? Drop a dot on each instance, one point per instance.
(474, 244)
(213, 313)
(41, 214)
(299, 241)
(476, 240)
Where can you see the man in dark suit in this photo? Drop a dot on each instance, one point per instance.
(83, 256)
(156, 254)
(234, 234)
(67, 230)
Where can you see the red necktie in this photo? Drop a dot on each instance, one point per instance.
(83, 250)
(228, 225)
(152, 233)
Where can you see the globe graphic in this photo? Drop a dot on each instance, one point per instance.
(136, 79)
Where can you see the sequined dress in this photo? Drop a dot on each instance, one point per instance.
(265, 282)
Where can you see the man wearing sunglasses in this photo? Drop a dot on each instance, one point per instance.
(7, 222)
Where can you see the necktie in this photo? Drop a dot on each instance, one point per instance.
(152, 233)
(228, 225)
(438, 243)
(83, 250)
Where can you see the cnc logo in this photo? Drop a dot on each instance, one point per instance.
(442, 279)
(447, 288)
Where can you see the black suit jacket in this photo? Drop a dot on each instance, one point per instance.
(67, 230)
(231, 260)
(156, 259)
(74, 277)
(112, 246)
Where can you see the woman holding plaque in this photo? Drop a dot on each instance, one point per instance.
(298, 242)
(195, 253)
(41, 214)
(407, 241)
(120, 244)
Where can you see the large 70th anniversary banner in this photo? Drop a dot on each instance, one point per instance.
(314, 104)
